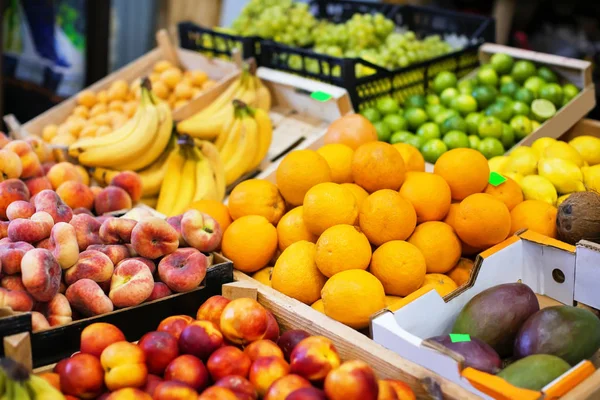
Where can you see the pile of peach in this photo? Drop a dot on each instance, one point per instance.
(61, 261)
(232, 351)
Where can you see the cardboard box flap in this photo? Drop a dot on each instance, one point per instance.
(587, 278)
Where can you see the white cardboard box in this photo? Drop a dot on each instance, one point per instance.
(533, 259)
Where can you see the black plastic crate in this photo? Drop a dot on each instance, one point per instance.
(217, 44)
(364, 90)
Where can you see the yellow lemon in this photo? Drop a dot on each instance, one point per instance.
(588, 147)
(497, 163)
(540, 144)
(537, 187)
(565, 151)
(564, 175)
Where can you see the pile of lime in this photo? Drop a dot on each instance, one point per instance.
(506, 101)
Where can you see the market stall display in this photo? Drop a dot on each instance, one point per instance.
(370, 49)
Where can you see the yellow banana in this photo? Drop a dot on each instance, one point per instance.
(130, 148)
(249, 96)
(170, 186)
(205, 183)
(241, 161)
(149, 201)
(222, 137)
(19, 391)
(207, 128)
(263, 96)
(187, 185)
(209, 151)
(234, 90)
(158, 145)
(40, 389)
(104, 175)
(265, 135)
(230, 145)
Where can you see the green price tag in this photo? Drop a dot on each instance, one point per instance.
(459, 337)
(496, 179)
(320, 96)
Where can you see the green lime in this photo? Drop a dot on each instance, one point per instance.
(520, 108)
(416, 141)
(534, 84)
(508, 136)
(415, 101)
(465, 104)
(400, 137)
(542, 109)
(387, 105)
(522, 70)
(490, 147)
(383, 131)
(432, 99)
(534, 126)
(487, 76)
(509, 88)
(570, 91)
(547, 74)
(484, 95)
(466, 86)
(372, 114)
(448, 95)
(552, 92)
(429, 130)
(504, 79)
(444, 80)
(525, 95)
(415, 117)
(473, 120)
(395, 122)
(490, 127)
(456, 139)
(501, 111)
(444, 115)
(433, 110)
(502, 63)
(455, 123)
(504, 99)
(433, 149)
(474, 141)
(521, 126)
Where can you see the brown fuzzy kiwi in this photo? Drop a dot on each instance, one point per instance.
(578, 218)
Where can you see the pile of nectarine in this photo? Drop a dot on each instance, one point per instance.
(232, 351)
(61, 254)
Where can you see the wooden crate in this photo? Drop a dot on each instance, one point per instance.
(219, 70)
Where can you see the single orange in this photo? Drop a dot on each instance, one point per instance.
(328, 204)
(351, 130)
(452, 213)
(359, 193)
(386, 216)
(215, 209)
(466, 171)
(439, 244)
(400, 266)
(256, 197)
(250, 242)
(340, 248)
(291, 229)
(376, 166)
(482, 221)
(413, 159)
(508, 192)
(428, 193)
(443, 284)
(461, 273)
(339, 158)
(299, 171)
(536, 215)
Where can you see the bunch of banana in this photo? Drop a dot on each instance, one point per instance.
(193, 172)
(244, 141)
(209, 123)
(135, 145)
(17, 383)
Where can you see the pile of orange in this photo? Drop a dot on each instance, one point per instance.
(358, 225)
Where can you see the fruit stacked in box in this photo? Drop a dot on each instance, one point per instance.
(99, 113)
(505, 102)
(65, 257)
(505, 322)
(232, 350)
(372, 37)
(206, 152)
(352, 225)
